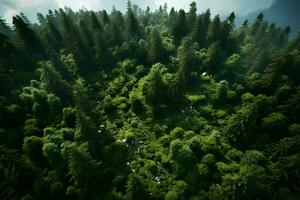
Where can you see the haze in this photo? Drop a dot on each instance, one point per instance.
(9, 8)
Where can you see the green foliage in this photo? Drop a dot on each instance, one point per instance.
(157, 52)
(179, 29)
(148, 105)
(33, 149)
(136, 188)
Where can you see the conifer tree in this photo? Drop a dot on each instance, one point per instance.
(86, 35)
(116, 35)
(172, 18)
(74, 42)
(28, 36)
(256, 25)
(96, 26)
(105, 17)
(179, 29)
(192, 16)
(136, 188)
(157, 51)
(52, 82)
(153, 89)
(214, 58)
(104, 57)
(214, 31)
(132, 25)
(5, 28)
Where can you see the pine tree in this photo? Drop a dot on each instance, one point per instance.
(52, 82)
(52, 37)
(256, 25)
(54, 31)
(132, 25)
(104, 57)
(172, 18)
(152, 88)
(214, 32)
(105, 17)
(136, 189)
(183, 78)
(192, 16)
(157, 52)
(226, 40)
(74, 42)
(31, 41)
(96, 26)
(179, 29)
(42, 20)
(116, 35)
(199, 32)
(86, 35)
(84, 172)
(214, 58)
(187, 60)
(4, 28)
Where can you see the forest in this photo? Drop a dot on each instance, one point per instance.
(148, 105)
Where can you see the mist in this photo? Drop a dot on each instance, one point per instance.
(9, 8)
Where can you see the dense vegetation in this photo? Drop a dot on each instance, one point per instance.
(148, 105)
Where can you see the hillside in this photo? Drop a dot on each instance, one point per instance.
(283, 13)
(148, 105)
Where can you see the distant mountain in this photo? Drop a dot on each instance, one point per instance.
(282, 12)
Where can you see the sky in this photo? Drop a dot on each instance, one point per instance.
(9, 8)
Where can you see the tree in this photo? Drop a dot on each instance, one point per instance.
(132, 25)
(180, 153)
(251, 181)
(222, 90)
(84, 172)
(41, 18)
(105, 17)
(199, 32)
(52, 82)
(116, 35)
(152, 88)
(74, 41)
(96, 26)
(214, 31)
(186, 54)
(214, 59)
(28, 37)
(157, 52)
(104, 57)
(87, 36)
(275, 123)
(33, 148)
(17, 175)
(192, 16)
(179, 29)
(56, 35)
(5, 28)
(256, 25)
(136, 189)
(227, 27)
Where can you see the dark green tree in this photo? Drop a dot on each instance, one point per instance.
(53, 82)
(180, 28)
(96, 26)
(214, 31)
(28, 37)
(157, 52)
(192, 16)
(132, 25)
(199, 32)
(104, 58)
(136, 188)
